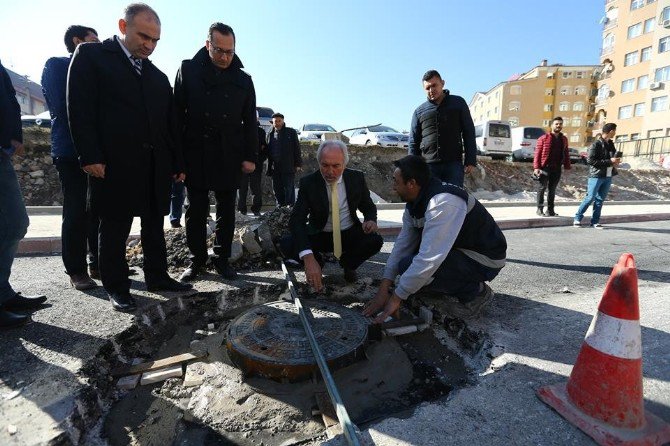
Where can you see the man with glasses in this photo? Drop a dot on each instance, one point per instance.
(216, 106)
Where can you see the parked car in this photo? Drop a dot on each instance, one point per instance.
(494, 139)
(41, 120)
(265, 118)
(379, 135)
(313, 132)
(575, 156)
(524, 140)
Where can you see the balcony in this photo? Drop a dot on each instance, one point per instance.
(607, 50)
(609, 24)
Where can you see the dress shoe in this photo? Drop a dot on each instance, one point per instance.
(122, 301)
(190, 273)
(257, 213)
(82, 282)
(94, 273)
(11, 320)
(19, 302)
(175, 224)
(167, 284)
(350, 275)
(540, 212)
(227, 272)
(550, 213)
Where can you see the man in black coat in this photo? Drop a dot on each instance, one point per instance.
(313, 230)
(285, 160)
(216, 107)
(253, 180)
(121, 115)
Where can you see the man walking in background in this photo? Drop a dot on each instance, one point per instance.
(121, 114)
(551, 153)
(216, 107)
(79, 226)
(441, 130)
(284, 160)
(253, 180)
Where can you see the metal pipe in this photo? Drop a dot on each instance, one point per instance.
(348, 427)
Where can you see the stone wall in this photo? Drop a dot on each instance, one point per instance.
(37, 175)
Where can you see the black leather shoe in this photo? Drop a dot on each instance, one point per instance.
(190, 273)
(227, 272)
(175, 224)
(168, 284)
(20, 302)
(122, 301)
(350, 275)
(539, 212)
(11, 320)
(94, 272)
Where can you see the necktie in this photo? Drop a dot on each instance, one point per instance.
(137, 64)
(335, 212)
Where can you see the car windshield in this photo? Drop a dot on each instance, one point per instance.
(318, 128)
(532, 132)
(382, 128)
(264, 112)
(499, 130)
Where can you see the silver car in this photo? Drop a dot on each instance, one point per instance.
(313, 132)
(379, 135)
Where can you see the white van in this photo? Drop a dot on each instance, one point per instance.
(494, 139)
(524, 140)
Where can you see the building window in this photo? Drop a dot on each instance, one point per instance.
(495, 110)
(643, 82)
(628, 85)
(548, 107)
(513, 121)
(659, 104)
(634, 30)
(578, 106)
(580, 90)
(565, 91)
(574, 137)
(625, 112)
(639, 109)
(630, 58)
(656, 133)
(580, 74)
(634, 136)
(662, 74)
(665, 14)
(576, 122)
(546, 122)
(514, 106)
(636, 4)
(549, 92)
(649, 25)
(564, 106)
(608, 41)
(497, 94)
(645, 54)
(567, 74)
(603, 92)
(515, 89)
(664, 44)
(621, 138)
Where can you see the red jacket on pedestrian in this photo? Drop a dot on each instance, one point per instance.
(542, 152)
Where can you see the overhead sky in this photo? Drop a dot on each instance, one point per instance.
(345, 63)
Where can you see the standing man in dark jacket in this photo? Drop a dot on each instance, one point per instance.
(285, 160)
(13, 215)
(121, 113)
(441, 128)
(602, 161)
(216, 103)
(253, 180)
(551, 152)
(78, 226)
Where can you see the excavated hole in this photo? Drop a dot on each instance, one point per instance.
(229, 408)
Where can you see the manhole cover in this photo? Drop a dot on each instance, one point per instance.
(269, 340)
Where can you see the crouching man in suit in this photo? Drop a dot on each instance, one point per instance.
(324, 217)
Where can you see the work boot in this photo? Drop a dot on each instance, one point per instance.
(11, 320)
(82, 282)
(540, 211)
(222, 267)
(472, 308)
(19, 302)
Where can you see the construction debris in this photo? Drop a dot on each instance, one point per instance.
(128, 382)
(155, 376)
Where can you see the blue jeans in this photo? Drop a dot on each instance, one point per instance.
(448, 172)
(597, 189)
(13, 223)
(176, 200)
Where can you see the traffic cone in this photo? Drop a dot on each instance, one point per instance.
(603, 396)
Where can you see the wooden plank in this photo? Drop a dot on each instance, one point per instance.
(328, 415)
(157, 364)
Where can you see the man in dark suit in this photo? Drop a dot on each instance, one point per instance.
(121, 115)
(253, 180)
(324, 216)
(284, 160)
(216, 103)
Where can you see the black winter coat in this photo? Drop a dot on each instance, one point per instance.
(217, 118)
(290, 156)
(125, 121)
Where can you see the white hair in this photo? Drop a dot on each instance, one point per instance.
(333, 143)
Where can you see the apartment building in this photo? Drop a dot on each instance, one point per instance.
(28, 93)
(634, 84)
(535, 97)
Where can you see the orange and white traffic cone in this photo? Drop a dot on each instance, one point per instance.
(603, 396)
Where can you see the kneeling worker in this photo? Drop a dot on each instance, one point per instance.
(449, 244)
(324, 216)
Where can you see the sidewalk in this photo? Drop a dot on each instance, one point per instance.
(44, 232)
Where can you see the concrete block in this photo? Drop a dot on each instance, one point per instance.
(161, 375)
(249, 242)
(128, 382)
(196, 372)
(235, 251)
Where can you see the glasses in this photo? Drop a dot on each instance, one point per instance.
(220, 51)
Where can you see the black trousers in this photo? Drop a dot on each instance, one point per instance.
(284, 188)
(357, 246)
(250, 180)
(114, 232)
(79, 230)
(196, 223)
(548, 183)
